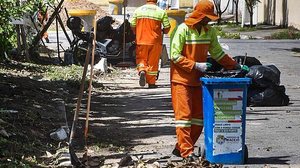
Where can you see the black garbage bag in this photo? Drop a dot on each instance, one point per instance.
(226, 74)
(104, 28)
(272, 96)
(250, 61)
(264, 76)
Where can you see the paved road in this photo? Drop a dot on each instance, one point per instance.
(273, 132)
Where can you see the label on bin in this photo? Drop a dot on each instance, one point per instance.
(227, 138)
(228, 94)
(227, 135)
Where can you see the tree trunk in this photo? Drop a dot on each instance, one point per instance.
(251, 19)
(219, 20)
(236, 14)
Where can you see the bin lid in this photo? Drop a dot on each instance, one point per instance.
(174, 12)
(116, 1)
(211, 81)
(82, 12)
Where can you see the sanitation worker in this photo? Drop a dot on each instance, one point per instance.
(147, 23)
(190, 44)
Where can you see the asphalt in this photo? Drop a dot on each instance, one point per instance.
(272, 133)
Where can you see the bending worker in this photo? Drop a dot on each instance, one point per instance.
(190, 44)
(146, 23)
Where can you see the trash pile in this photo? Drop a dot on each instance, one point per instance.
(265, 89)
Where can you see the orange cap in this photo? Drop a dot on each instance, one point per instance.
(202, 9)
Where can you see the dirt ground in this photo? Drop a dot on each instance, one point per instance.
(28, 112)
(125, 119)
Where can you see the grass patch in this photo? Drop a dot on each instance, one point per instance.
(290, 33)
(226, 35)
(229, 35)
(232, 25)
(56, 73)
(246, 29)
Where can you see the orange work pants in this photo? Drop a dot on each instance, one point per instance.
(147, 59)
(187, 106)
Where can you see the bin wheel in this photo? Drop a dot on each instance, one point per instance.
(246, 154)
(201, 151)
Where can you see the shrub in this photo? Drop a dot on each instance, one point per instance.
(10, 9)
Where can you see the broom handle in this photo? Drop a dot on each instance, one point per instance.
(124, 30)
(245, 59)
(76, 115)
(90, 84)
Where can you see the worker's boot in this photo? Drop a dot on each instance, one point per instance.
(176, 152)
(152, 86)
(192, 158)
(142, 80)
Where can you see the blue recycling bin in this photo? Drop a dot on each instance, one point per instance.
(224, 108)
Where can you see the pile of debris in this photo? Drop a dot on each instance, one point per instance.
(82, 5)
(85, 5)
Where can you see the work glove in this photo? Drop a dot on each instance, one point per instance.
(202, 66)
(243, 67)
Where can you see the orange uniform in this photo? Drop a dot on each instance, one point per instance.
(147, 23)
(188, 46)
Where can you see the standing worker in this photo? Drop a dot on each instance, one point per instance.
(189, 46)
(146, 23)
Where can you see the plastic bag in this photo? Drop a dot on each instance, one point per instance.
(272, 96)
(226, 74)
(250, 61)
(264, 76)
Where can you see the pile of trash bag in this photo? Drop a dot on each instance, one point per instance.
(265, 89)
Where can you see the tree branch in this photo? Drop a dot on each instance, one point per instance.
(226, 6)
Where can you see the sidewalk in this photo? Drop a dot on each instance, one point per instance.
(261, 32)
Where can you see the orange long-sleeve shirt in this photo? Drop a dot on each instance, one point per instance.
(147, 21)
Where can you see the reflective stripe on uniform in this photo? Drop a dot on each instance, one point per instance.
(140, 65)
(196, 121)
(148, 17)
(183, 123)
(152, 72)
(150, 11)
(220, 55)
(199, 41)
(176, 58)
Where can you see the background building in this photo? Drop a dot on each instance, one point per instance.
(279, 12)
